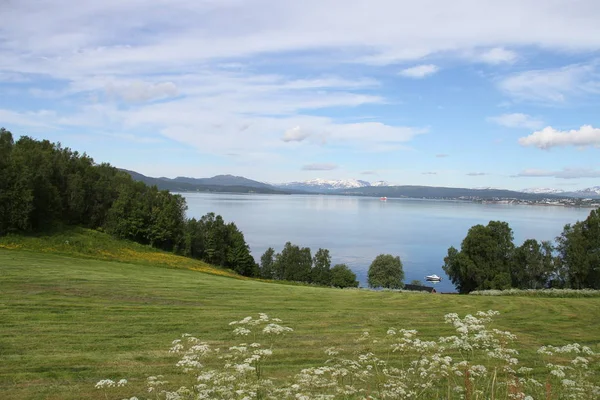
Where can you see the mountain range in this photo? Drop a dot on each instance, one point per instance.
(592, 192)
(239, 184)
(320, 185)
(216, 184)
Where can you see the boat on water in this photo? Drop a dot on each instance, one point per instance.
(433, 278)
(383, 198)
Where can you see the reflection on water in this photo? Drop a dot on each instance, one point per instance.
(357, 229)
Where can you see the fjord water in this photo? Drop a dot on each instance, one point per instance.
(357, 229)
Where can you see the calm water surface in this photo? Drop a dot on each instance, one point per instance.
(357, 229)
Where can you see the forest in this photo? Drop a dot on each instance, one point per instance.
(44, 187)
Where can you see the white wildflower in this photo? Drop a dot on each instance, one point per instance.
(105, 383)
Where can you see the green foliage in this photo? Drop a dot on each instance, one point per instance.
(416, 282)
(386, 272)
(533, 265)
(321, 270)
(343, 277)
(488, 259)
(293, 264)
(238, 253)
(485, 259)
(579, 253)
(212, 240)
(267, 264)
(16, 199)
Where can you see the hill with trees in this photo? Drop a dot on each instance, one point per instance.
(44, 186)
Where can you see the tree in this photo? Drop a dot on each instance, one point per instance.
(321, 270)
(579, 253)
(6, 145)
(533, 265)
(266, 264)
(485, 259)
(129, 217)
(37, 164)
(238, 253)
(342, 276)
(167, 220)
(15, 195)
(215, 239)
(416, 282)
(293, 264)
(193, 239)
(386, 272)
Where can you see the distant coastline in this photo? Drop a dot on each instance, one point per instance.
(228, 184)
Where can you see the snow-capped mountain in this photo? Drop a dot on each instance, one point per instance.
(381, 183)
(593, 192)
(320, 185)
(543, 191)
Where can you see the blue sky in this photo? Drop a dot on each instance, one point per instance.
(466, 93)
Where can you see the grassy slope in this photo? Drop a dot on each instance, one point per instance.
(67, 322)
(87, 243)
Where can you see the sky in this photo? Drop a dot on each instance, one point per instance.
(463, 93)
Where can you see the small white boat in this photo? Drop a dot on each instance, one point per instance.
(433, 278)
(383, 198)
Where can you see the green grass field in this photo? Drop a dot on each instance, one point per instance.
(67, 322)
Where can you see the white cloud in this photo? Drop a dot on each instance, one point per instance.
(497, 55)
(62, 36)
(419, 71)
(517, 120)
(549, 137)
(429, 173)
(30, 119)
(13, 77)
(477, 174)
(142, 91)
(551, 85)
(295, 135)
(565, 173)
(206, 62)
(320, 167)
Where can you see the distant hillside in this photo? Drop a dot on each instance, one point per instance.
(182, 184)
(223, 180)
(441, 192)
(592, 192)
(238, 184)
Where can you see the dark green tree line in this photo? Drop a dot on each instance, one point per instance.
(488, 259)
(44, 186)
(295, 264)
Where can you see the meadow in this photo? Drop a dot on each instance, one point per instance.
(79, 308)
